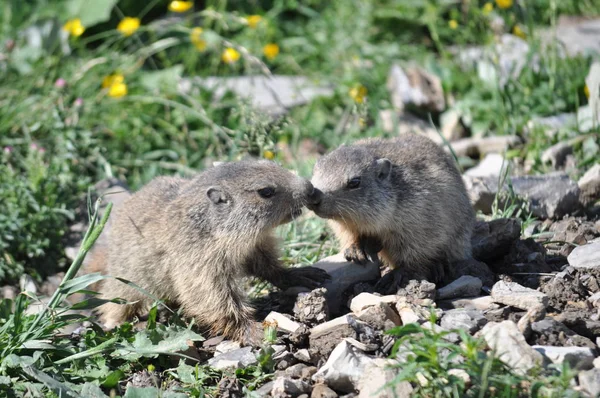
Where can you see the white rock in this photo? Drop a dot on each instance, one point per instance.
(589, 184)
(586, 256)
(515, 295)
(284, 387)
(376, 375)
(589, 381)
(365, 300)
(476, 146)
(284, 323)
(491, 166)
(510, 346)
(465, 286)
(303, 355)
(239, 358)
(226, 346)
(467, 319)
(408, 315)
(482, 303)
(344, 368)
(330, 325)
(460, 373)
(576, 357)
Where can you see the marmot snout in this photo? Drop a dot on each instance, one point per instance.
(402, 198)
(189, 240)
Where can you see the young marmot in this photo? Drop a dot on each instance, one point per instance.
(189, 240)
(402, 197)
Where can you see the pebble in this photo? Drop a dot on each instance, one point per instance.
(470, 320)
(515, 295)
(364, 300)
(242, 357)
(465, 286)
(344, 368)
(586, 256)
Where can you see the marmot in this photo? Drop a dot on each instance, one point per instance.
(189, 240)
(403, 198)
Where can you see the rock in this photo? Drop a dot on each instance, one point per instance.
(482, 192)
(589, 381)
(553, 124)
(295, 371)
(9, 292)
(273, 94)
(239, 358)
(478, 146)
(469, 320)
(589, 184)
(461, 374)
(581, 358)
(413, 86)
(283, 323)
(472, 267)
(534, 314)
(376, 377)
(492, 240)
(285, 387)
(515, 295)
(448, 336)
(409, 315)
(550, 196)
(451, 126)
(483, 303)
(344, 274)
(491, 166)
(27, 284)
(365, 300)
(311, 308)
(300, 336)
(344, 368)
(322, 391)
(557, 154)
(324, 337)
(416, 291)
(265, 390)
(465, 286)
(577, 35)
(406, 123)
(226, 346)
(380, 317)
(303, 355)
(510, 345)
(586, 256)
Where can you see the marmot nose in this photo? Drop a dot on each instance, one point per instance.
(314, 198)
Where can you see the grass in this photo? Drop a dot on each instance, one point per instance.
(61, 131)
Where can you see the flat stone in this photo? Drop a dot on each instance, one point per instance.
(265, 390)
(589, 381)
(377, 375)
(511, 347)
(493, 240)
(416, 87)
(343, 275)
(482, 303)
(344, 368)
(465, 286)
(469, 320)
(589, 184)
(283, 323)
(322, 391)
(557, 154)
(365, 300)
(326, 336)
(408, 315)
(515, 295)
(285, 387)
(492, 165)
(479, 146)
(239, 358)
(581, 358)
(226, 346)
(586, 256)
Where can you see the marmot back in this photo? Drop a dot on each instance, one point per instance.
(189, 240)
(403, 198)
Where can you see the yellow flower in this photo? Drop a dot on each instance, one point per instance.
(453, 24)
(180, 6)
(117, 90)
(196, 39)
(115, 84)
(517, 31)
(586, 91)
(128, 26)
(487, 8)
(230, 55)
(115, 78)
(271, 51)
(253, 20)
(269, 155)
(74, 27)
(504, 3)
(358, 93)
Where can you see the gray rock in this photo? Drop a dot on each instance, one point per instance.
(479, 146)
(265, 390)
(515, 295)
(380, 317)
(344, 368)
(311, 307)
(510, 346)
(343, 275)
(549, 196)
(226, 346)
(491, 166)
(586, 256)
(589, 184)
(534, 314)
(377, 375)
(581, 358)
(556, 155)
(492, 240)
(472, 267)
(285, 387)
(406, 123)
(482, 192)
(303, 355)
(295, 371)
(239, 358)
(322, 391)
(272, 94)
(578, 35)
(553, 124)
(326, 336)
(483, 303)
(470, 320)
(589, 381)
(417, 87)
(465, 286)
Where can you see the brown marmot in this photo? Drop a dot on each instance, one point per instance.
(403, 198)
(189, 240)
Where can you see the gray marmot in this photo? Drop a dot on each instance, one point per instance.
(188, 241)
(401, 201)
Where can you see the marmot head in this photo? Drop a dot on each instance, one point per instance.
(248, 197)
(353, 186)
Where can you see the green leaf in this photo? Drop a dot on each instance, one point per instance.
(80, 283)
(91, 390)
(113, 378)
(151, 392)
(173, 342)
(60, 389)
(91, 12)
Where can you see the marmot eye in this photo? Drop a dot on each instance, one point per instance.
(266, 192)
(353, 183)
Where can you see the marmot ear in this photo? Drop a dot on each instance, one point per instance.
(216, 195)
(384, 168)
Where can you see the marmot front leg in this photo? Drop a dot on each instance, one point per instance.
(265, 264)
(363, 249)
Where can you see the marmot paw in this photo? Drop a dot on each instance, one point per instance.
(310, 277)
